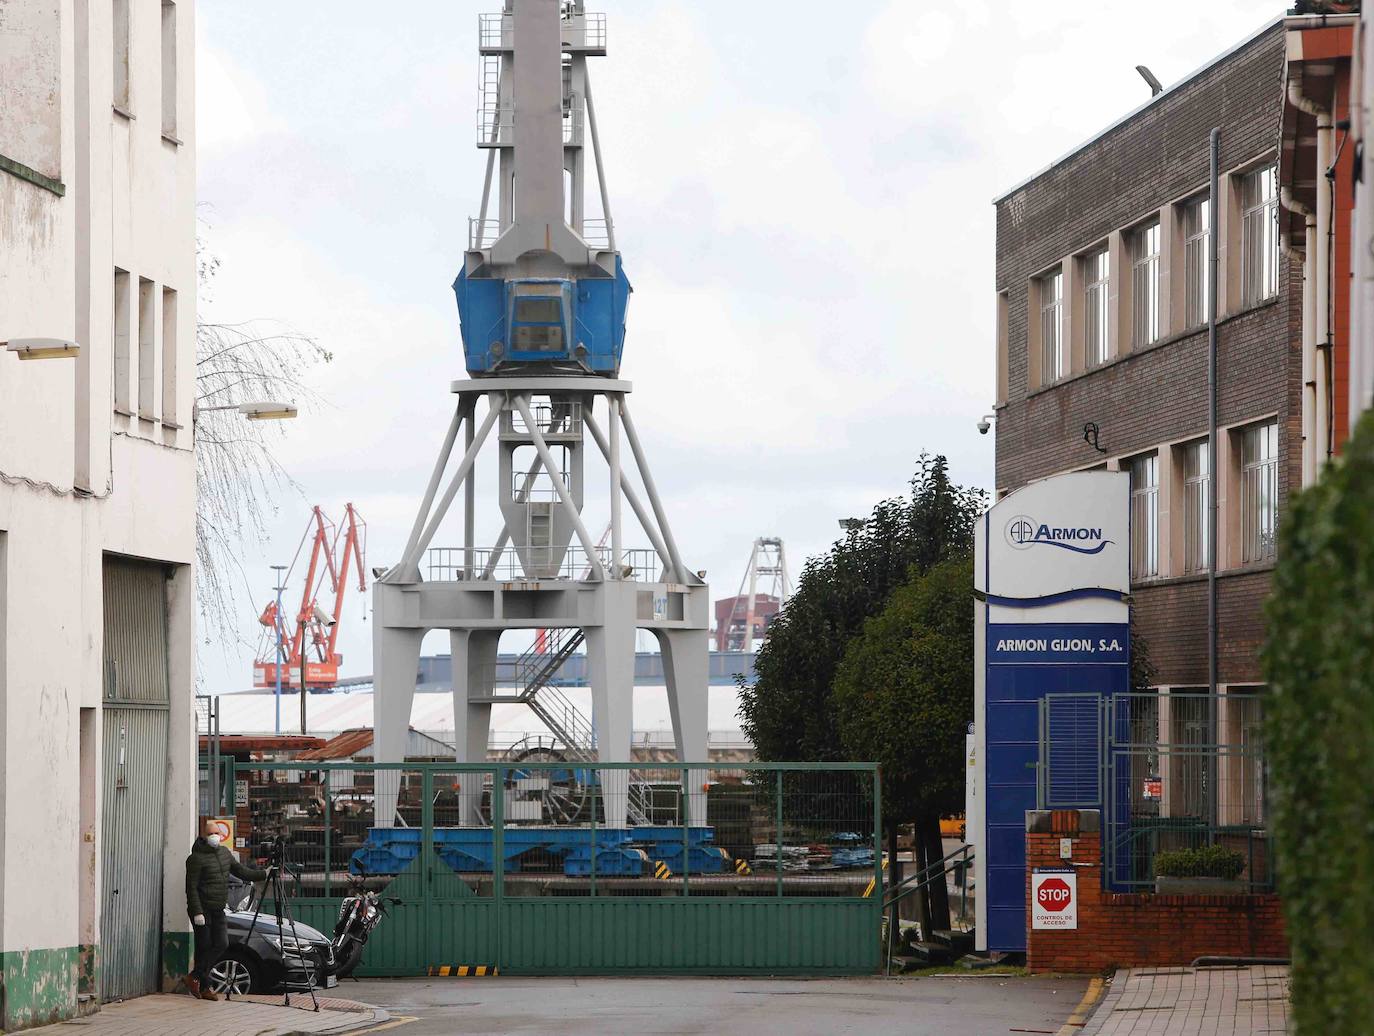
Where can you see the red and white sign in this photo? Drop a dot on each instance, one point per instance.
(1054, 900)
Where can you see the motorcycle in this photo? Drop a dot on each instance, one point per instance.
(359, 914)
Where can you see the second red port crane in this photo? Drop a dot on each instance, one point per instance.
(336, 555)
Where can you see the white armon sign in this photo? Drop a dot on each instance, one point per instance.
(1054, 899)
(1067, 533)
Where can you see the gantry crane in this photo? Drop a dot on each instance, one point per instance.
(311, 639)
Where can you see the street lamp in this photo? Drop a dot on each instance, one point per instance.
(264, 411)
(41, 348)
(851, 524)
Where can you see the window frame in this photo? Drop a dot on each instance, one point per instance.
(1096, 268)
(1196, 254)
(1054, 281)
(1144, 505)
(1262, 210)
(1259, 491)
(1146, 284)
(1197, 490)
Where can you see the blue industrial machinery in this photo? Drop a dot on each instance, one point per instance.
(509, 323)
(620, 852)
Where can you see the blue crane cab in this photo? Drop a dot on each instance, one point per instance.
(507, 324)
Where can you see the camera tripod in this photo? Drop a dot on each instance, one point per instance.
(282, 908)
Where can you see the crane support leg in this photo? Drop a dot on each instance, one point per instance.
(685, 665)
(474, 675)
(611, 669)
(396, 657)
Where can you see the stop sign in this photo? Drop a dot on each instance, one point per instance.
(1054, 894)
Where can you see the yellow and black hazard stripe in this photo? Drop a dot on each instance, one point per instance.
(742, 867)
(461, 970)
(662, 871)
(868, 889)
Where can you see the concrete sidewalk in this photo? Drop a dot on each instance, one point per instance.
(183, 1015)
(1217, 1001)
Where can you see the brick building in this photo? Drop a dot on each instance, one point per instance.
(1102, 350)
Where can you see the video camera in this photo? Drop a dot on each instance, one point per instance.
(274, 850)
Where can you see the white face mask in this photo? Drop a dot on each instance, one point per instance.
(213, 839)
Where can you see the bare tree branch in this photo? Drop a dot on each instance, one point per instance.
(238, 477)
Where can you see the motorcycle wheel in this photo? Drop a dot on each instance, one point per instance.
(348, 958)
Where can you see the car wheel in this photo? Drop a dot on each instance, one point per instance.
(234, 974)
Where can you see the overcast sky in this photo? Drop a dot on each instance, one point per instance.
(802, 196)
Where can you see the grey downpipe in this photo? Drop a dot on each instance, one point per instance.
(1214, 163)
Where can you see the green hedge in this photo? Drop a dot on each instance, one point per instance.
(1319, 661)
(1207, 861)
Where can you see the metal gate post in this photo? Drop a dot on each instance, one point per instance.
(685, 818)
(427, 845)
(777, 854)
(498, 861)
(878, 845)
(328, 823)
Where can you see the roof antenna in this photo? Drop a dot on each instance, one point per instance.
(1156, 87)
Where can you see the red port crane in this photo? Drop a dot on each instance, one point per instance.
(315, 631)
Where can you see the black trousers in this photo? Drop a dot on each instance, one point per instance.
(212, 938)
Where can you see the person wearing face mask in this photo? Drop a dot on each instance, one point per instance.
(207, 892)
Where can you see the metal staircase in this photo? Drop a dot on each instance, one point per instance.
(533, 675)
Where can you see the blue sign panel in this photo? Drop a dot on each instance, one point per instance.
(1085, 643)
(1025, 662)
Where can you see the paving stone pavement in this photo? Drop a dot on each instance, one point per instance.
(1217, 1001)
(183, 1015)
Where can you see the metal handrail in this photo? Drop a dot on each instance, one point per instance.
(926, 875)
(450, 564)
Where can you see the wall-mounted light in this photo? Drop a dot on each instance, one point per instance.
(42, 348)
(267, 411)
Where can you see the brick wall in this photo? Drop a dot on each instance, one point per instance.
(1137, 929)
(1158, 394)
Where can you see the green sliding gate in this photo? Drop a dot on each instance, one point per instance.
(779, 878)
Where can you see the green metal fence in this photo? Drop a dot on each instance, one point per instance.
(565, 868)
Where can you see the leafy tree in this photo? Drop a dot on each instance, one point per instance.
(904, 697)
(788, 712)
(1319, 660)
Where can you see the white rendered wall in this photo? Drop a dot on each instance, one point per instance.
(106, 483)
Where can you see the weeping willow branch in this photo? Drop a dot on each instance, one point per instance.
(238, 477)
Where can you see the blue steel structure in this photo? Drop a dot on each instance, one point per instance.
(509, 324)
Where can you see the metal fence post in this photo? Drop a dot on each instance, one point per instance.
(328, 825)
(685, 819)
(596, 787)
(777, 842)
(498, 861)
(427, 836)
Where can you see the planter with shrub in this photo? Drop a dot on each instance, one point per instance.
(1208, 870)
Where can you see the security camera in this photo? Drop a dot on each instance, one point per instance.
(983, 425)
(323, 617)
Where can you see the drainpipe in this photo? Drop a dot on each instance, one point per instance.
(1214, 157)
(1322, 289)
(1312, 291)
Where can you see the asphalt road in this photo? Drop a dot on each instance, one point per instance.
(985, 1005)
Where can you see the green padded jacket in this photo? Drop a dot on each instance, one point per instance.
(207, 876)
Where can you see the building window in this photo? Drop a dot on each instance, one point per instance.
(1145, 300)
(1051, 327)
(1196, 493)
(121, 55)
(169, 356)
(1259, 235)
(1197, 218)
(148, 388)
(169, 69)
(1145, 516)
(1097, 284)
(123, 308)
(1259, 491)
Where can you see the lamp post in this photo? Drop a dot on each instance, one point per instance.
(265, 411)
(281, 659)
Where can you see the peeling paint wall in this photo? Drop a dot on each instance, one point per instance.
(79, 481)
